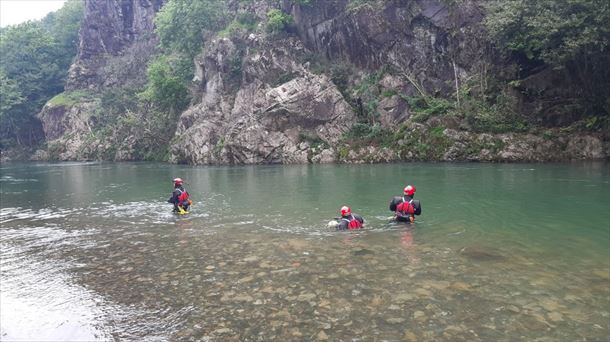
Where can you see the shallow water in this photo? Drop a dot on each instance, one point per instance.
(91, 251)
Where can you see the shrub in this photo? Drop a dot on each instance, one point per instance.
(278, 21)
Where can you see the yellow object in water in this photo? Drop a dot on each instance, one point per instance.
(182, 211)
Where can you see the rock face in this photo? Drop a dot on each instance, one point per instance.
(255, 117)
(109, 28)
(265, 98)
(278, 111)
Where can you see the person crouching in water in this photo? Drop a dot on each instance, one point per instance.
(180, 197)
(405, 208)
(348, 220)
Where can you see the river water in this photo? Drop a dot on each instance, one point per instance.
(92, 252)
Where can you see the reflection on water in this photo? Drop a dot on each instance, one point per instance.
(92, 252)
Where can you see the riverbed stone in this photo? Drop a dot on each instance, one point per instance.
(409, 336)
(395, 320)
(423, 292)
(403, 297)
(419, 316)
(555, 316)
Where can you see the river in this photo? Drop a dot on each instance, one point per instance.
(92, 252)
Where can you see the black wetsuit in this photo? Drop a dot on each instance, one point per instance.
(344, 221)
(175, 199)
(401, 216)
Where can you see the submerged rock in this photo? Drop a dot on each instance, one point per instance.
(478, 253)
(362, 251)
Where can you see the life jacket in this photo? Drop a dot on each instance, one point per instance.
(352, 223)
(405, 208)
(184, 195)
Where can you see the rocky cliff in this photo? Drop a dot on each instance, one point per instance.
(297, 97)
(109, 30)
(116, 41)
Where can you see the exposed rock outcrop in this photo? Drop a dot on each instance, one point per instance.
(109, 28)
(256, 117)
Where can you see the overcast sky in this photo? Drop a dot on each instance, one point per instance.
(13, 12)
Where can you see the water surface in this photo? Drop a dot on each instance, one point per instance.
(91, 251)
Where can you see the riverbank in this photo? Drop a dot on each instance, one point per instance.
(412, 142)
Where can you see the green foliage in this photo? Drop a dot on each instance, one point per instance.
(34, 61)
(423, 109)
(553, 31)
(278, 21)
(10, 95)
(180, 23)
(340, 74)
(68, 99)
(417, 144)
(166, 89)
(244, 22)
(368, 92)
(494, 114)
(365, 134)
(235, 68)
(64, 25)
(568, 35)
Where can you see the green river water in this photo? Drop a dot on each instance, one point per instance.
(501, 252)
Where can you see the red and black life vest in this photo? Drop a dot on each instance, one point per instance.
(184, 195)
(405, 208)
(352, 223)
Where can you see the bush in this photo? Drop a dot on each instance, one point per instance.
(278, 21)
(424, 108)
(166, 88)
(362, 133)
(245, 22)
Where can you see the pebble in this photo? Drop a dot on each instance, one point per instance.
(396, 320)
(423, 292)
(222, 331)
(403, 297)
(306, 297)
(419, 316)
(409, 336)
(555, 317)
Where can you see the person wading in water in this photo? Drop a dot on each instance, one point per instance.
(180, 197)
(405, 207)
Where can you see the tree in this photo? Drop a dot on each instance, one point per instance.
(165, 88)
(555, 32)
(35, 57)
(180, 23)
(570, 36)
(278, 21)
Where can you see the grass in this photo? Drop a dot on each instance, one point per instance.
(69, 99)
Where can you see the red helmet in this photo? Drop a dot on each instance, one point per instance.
(409, 190)
(178, 181)
(345, 210)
